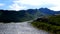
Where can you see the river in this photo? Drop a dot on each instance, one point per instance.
(19, 28)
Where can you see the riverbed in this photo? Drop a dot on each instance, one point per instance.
(19, 28)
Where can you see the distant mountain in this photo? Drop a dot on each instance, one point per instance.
(25, 15)
(48, 11)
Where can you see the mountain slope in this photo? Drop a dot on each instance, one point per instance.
(25, 15)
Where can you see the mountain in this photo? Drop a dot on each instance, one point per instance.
(17, 16)
(48, 11)
(25, 15)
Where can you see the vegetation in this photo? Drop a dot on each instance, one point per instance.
(7, 16)
(51, 24)
(25, 15)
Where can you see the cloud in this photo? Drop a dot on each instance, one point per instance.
(56, 8)
(29, 2)
(16, 7)
(2, 4)
(26, 4)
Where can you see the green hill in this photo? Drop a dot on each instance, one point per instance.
(51, 24)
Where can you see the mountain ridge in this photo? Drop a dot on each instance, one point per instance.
(25, 15)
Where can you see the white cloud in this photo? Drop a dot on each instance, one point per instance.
(16, 7)
(2, 4)
(22, 4)
(29, 2)
(56, 8)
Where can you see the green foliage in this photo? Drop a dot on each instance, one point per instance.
(18, 16)
(53, 24)
(55, 19)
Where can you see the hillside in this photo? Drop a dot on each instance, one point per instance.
(17, 16)
(25, 15)
(51, 24)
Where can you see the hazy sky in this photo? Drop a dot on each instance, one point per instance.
(29, 4)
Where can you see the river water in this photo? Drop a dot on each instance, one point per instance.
(19, 28)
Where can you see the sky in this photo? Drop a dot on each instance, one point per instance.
(29, 4)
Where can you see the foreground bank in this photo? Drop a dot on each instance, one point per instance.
(50, 24)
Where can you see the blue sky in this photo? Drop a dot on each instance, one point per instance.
(5, 4)
(29, 4)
